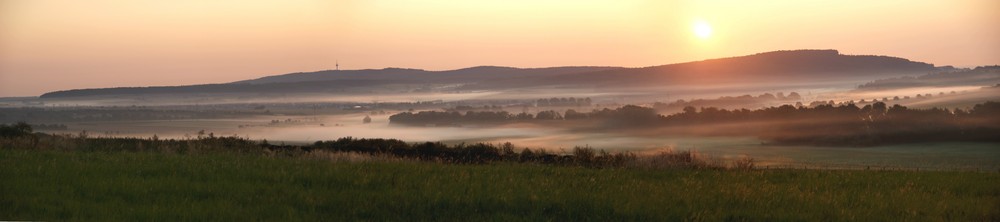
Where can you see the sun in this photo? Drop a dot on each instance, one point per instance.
(702, 29)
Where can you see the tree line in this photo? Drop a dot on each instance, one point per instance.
(826, 124)
(762, 100)
(571, 101)
(850, 125)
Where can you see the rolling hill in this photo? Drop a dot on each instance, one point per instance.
(783, 66)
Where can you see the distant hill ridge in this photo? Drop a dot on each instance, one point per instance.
(465, 74)
(768, 66)
(791, 65)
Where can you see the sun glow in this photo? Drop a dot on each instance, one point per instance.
(106, 42)
(702, 29)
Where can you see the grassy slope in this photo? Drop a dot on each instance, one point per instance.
(94, 186)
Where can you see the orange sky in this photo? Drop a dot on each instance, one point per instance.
(48, 45)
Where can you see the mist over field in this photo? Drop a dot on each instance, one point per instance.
(303, 117)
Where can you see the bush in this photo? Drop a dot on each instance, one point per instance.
(18, 129)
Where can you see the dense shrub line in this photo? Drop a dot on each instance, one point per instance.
(476, 153)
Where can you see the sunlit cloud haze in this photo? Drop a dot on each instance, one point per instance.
(48, 45)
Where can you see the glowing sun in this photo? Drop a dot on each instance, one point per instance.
(702, 29)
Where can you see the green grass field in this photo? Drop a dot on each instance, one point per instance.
(100, 186)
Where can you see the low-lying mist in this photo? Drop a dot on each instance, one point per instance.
(306, 118)
(714, 140)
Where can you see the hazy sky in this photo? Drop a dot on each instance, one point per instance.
(48, 45)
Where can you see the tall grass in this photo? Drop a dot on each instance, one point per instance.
(102, 186)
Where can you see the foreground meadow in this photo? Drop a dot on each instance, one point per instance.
(98, 186)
